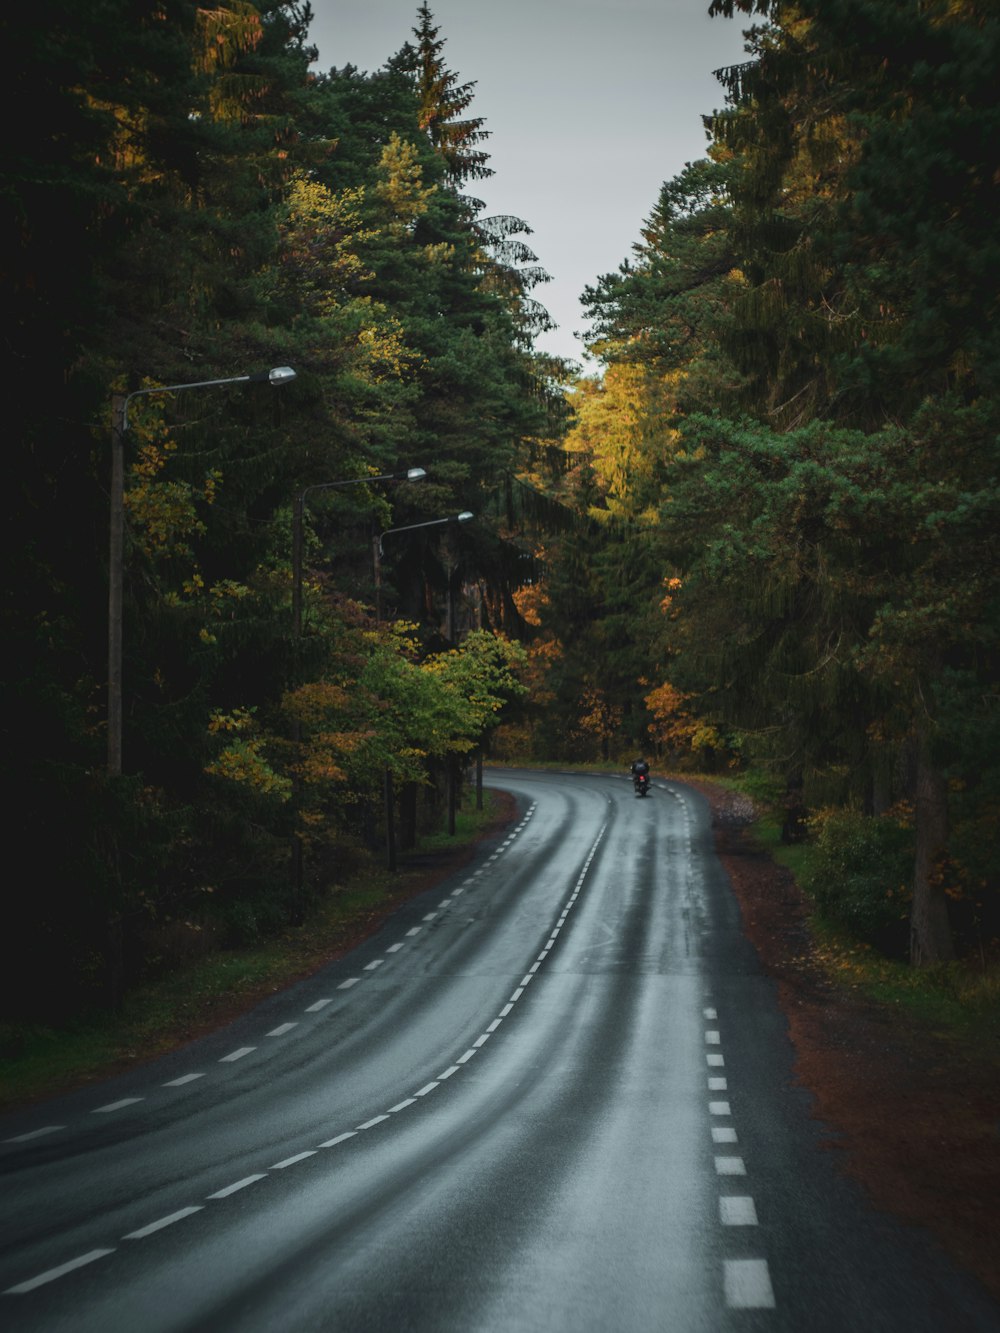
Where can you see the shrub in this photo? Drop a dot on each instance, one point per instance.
(860, 875)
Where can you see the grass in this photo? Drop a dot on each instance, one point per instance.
(40, 1061)
(959, 999)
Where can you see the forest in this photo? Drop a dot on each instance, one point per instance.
(302, 525)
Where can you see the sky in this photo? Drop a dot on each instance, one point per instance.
(590, 106)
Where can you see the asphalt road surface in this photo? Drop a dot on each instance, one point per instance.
(554, 1093)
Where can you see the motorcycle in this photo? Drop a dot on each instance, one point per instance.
(641, 784)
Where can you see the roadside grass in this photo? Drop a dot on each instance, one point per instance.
(960, 1000)
(38, 1061)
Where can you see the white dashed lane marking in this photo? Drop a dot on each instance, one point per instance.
(235, 1187)
(52, 1273)
(748, 1284)
(162, 1222)
(237, 1055)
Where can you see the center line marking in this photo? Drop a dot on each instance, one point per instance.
(35, 1134)
(332, 1143)
(239, 1185)
(280, 1031)
(351, 981)
(370, 967)
(167, 1221)
(52, 1273)
(237, 1055)
(320, 1004)
(184, 1078)
(290, 1161)
(116, 1106)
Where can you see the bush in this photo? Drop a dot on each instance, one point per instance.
(860, 875)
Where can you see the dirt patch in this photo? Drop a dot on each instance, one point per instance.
(918, 1116)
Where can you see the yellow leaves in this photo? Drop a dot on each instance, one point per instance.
(672, 586)
(400, 184)
(598, 715)
(239, 720)
(244, 762)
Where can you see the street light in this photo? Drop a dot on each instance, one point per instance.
(119, 428)
(411, 474)
(298, 509)
(390, 821)
(463, 517)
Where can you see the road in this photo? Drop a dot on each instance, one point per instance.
(554, 1093)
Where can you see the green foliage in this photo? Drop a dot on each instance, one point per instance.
(188, 203)
(859, 875)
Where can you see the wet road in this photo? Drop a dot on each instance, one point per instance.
(554, 1093)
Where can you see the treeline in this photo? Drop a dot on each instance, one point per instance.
(186, 200)
(790, 464)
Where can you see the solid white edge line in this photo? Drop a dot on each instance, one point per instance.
(51, 1274)
(162, 1222)
(239, 1185)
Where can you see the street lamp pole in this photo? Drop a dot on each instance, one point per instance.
(298, 512)
(119, 429)
(377, 552)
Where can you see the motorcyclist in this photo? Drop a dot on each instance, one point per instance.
(638, 770)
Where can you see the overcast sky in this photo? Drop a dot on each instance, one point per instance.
(590, 107)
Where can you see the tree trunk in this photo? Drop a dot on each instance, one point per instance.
(930, 931)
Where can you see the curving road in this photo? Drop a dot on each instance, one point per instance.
(554, 1093)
